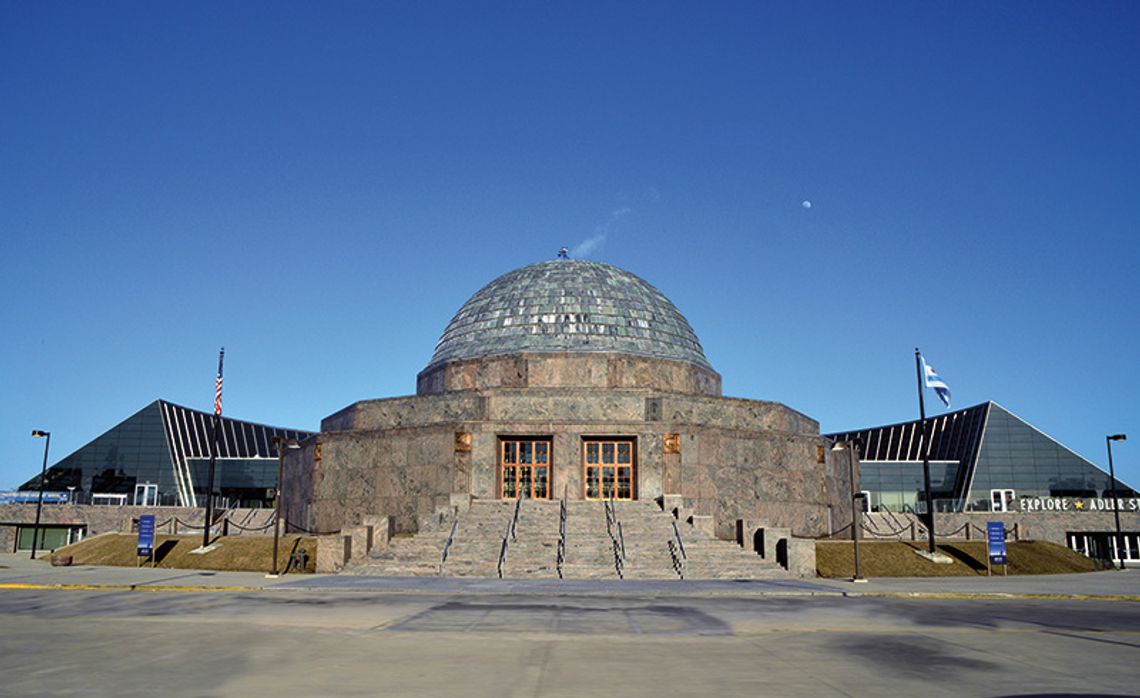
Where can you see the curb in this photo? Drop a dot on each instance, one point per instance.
(980, 596)
(124, 587)
(992, 596)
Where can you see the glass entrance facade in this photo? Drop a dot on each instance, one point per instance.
(982, 458)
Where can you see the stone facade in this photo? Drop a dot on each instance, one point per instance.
(561, 352)
(400, 457)
(562, 369)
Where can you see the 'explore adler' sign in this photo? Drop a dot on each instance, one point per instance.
(1034, 504)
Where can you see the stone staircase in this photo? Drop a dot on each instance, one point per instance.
(641, 531)
(478, 539)
(589, 547)
(407, 555)
(534, 551)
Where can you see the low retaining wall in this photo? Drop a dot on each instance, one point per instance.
(113, 519)
(1047, 526)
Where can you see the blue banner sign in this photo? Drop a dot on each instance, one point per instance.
(995, 542)
(146, 535)
(32, 497)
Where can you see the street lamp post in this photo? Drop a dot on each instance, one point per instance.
(282, 444)
(1115, 502)
(43, 479)
(852, 447)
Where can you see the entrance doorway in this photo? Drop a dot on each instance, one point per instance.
(610, 467)
(1002, 500)
(524, 468)
(146, 495)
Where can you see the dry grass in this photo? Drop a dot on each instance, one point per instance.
(898, 559)
(233, 554)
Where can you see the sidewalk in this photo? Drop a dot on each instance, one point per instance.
(17, 571)
(1112, 583)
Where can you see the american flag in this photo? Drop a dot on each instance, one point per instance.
(218, 384)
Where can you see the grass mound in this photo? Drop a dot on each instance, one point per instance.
(897, 559)
(232, 554)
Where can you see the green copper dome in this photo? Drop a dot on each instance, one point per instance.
(569, 305)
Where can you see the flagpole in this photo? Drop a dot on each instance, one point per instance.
(213, 452)
(925, 452)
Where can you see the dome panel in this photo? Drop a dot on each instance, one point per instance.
(568, 305)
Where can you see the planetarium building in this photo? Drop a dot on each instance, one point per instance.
(568, 380)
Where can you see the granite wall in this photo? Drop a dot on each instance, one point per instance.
(404, 457)
(569, 370)
(570, 404)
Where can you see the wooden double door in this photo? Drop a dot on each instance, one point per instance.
(610, 468)
(524, 468)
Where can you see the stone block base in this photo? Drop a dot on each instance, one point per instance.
(333, 552)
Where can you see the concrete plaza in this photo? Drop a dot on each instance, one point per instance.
(95, 631)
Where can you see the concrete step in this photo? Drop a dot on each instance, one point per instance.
(645, 530)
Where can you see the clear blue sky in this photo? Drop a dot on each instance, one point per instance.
(320, 186)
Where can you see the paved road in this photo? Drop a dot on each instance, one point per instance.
(19, 570)
(516, 640)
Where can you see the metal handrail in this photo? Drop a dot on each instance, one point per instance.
(509, 536)
(561, 557)
(680, 543)
(503, 555)
(894, 519)
(447, 544)
(621, 540)
(245, 519)
(618, 565)
(515, 518)
(618, 548)
(677, 563)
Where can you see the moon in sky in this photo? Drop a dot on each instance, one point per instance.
(806, 204)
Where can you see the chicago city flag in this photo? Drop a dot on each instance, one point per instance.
(935, 383)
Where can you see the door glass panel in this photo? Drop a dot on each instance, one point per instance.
(540, 452)
(525, 473)
(592, 453)
(525, 452)
(623, 452)
(607, 482)
(592, 489)
(509, 451)
(509, 491)
(608, 452)
(540, 482)
(624, 490)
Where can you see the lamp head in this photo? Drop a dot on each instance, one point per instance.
(856, 443)
(1118, 437)
(282, 442)
(37, 432)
